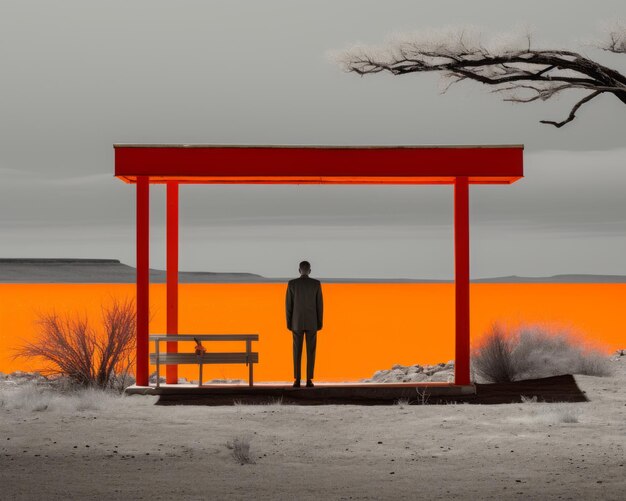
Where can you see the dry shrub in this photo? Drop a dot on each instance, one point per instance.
(547, 413)
(422, 396)
(240, 447)
(69, 346)
(532, 352)
(402, 402)
(40, 398)
(493, 360)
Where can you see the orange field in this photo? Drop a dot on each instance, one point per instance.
(367, 327)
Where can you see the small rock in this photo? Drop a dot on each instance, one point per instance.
(442, 377)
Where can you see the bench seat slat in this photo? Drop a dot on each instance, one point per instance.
(207, 358)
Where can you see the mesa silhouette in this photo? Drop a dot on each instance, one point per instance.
(78, 270)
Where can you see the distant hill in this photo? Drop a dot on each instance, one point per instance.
(557, 279)
(98, 271)
(68, 270)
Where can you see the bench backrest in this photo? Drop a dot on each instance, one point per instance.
(204, 337)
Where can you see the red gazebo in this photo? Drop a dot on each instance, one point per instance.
(175, 164)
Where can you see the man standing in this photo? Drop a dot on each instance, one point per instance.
(304, 317)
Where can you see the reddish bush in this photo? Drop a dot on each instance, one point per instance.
(69, 346)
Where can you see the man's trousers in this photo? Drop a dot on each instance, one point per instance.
(311, 342)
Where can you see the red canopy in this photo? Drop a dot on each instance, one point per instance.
(227, 164)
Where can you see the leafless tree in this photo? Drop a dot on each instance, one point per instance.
(514, 67)
(68, 345)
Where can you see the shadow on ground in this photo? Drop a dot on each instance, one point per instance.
(550, 389)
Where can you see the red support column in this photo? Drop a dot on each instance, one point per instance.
(172, 275)
(461, 281)
(143, 279)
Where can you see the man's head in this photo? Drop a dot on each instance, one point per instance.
(305, 268)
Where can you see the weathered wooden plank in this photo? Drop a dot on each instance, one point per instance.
(204, 337)
(207, 358)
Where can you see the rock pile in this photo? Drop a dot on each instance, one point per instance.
(414, 374)
(57, 382)
(618, 356)
(223, 381)
(21, 377)
(184, 380)
(152, 379)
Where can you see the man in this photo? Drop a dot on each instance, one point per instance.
(304, 318)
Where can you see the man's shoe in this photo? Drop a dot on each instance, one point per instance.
(309, 383)
(296, 383)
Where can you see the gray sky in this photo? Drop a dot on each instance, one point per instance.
(78, 76)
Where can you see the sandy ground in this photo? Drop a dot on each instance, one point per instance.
(97, 447)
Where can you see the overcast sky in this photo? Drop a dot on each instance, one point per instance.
(78, 76)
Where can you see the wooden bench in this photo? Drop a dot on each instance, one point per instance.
(247, 357)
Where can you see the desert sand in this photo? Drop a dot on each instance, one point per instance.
(97, 447)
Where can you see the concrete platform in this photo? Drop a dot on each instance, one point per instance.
(322, 393)
(550, 389)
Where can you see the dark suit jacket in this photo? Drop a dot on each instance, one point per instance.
(304, 304)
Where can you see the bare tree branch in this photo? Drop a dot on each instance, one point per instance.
(572, 113)
(616, 41)
(516, 67)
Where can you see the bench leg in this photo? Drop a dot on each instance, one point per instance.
(200, 378)
(158, 368)
(250, 364)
